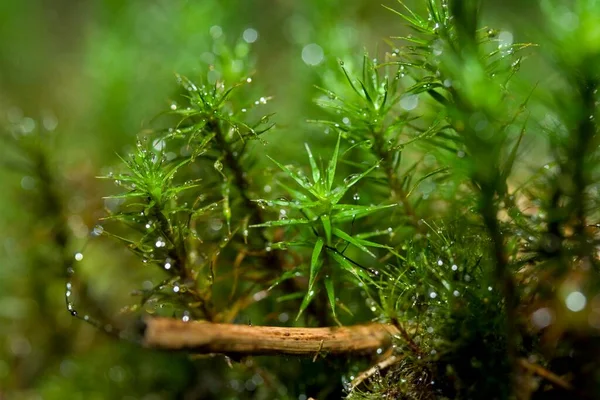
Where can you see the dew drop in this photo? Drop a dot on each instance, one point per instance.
(409, 102)
(505, 39)
(437, 47)
(216, 31)
(78, 256)
(259, 295)
(542, 317)
(575, 301)
(28, 183)
(98, 230)
(216, 224)
(312, 54)
(350, 178)
(283, 317)
(250, 35)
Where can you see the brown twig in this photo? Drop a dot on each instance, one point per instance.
(545, 374)
(405, 335)
(207, 337)
(377, 368)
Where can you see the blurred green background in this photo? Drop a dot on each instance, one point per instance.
(84, 78)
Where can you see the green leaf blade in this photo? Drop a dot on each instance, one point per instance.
(344, 236)
(282, 222)
(302, 181)
(315, 264)
(316, 173)
(332, 164)
(330, 294)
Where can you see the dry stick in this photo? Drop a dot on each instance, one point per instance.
(374, 370)
(207, 337)
(544, 373)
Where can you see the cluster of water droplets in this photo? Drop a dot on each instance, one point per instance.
(21, 125)
(70, 304)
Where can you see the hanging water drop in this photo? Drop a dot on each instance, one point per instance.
(350, 178)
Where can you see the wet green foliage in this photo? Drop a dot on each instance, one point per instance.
(441, 190)
(323, 215)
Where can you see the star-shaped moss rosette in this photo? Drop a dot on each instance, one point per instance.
(324, 215)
